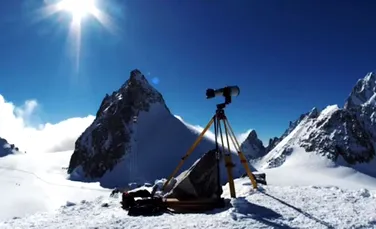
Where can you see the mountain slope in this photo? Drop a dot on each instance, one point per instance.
(115, 150)
(7, 149)
(345, 135)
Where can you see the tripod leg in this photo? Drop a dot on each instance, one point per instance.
(243, 159)
(190, 150)
(236, 143)
(218, 158)
(228, 163)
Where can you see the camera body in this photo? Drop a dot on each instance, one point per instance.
(226, 92)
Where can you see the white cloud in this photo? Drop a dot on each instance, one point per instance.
(16, 126)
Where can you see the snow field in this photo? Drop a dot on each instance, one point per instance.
(270, 207)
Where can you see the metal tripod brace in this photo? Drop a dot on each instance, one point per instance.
(216, 119)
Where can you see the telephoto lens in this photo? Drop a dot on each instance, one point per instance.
(229, 91)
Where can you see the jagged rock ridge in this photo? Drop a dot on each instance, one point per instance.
(253, 147)
(347, 133)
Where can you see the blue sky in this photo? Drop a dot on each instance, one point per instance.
(286, 56)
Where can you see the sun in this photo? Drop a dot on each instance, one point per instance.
(78, 8)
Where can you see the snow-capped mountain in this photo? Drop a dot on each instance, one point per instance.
(116, 149)
(6, 148)
(252, 146)
(345, 135)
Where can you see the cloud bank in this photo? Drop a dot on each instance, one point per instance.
(16, 127)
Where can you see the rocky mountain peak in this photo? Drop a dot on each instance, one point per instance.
(347, 133)
(109, 137)
(136, 92)
(363, 93)
(252, 146)
(314, 113)
(252, 135)
(136, 75)
(138, 80)
(371, 77)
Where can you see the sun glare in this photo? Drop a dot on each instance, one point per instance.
(79, 9)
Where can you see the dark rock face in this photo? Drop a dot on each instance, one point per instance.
(363, 92)
(348, 133)
(252, 147)
(7, 148)
(108, 138)
(272, 143)
(341, 134)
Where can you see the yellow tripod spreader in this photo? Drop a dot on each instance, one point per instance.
(229, 133)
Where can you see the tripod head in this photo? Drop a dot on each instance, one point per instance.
(226, 92)
(221, 106)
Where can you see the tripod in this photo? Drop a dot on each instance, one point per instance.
(229, 133)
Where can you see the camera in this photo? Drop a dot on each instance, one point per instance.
(226, 92)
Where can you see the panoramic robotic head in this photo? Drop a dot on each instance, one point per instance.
(227, 92)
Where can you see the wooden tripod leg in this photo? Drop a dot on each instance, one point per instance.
(229, 164)
(243, 159)
(190, 150)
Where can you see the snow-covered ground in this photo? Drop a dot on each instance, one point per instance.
(31, 183)
(270, 207)
(305, 169)
(307, 191)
